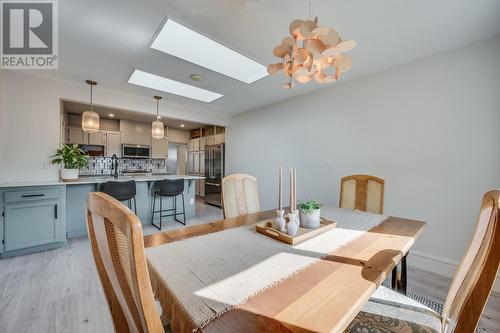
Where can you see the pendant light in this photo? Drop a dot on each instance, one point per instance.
(311, 52)
(157, 127)
(90, 119)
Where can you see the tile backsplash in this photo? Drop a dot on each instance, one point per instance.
(103, 165)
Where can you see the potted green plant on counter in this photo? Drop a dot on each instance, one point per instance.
(72, 158)
(310, 214)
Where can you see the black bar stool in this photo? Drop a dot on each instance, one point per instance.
(121, 191)
(170, 188)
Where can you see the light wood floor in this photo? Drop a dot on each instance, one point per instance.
(59, 291)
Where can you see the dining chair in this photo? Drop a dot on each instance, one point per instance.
(116, 240)
(389, 311)
(240, 195)
(366, 193)
(362, 192)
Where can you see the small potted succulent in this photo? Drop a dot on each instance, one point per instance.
(72, 158)
(310, 214)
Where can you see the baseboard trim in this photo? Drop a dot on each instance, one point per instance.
(438, 265)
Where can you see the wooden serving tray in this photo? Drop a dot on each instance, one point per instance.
(266, 227)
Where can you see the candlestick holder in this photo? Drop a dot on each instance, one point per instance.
(293, 223)
(279, 221)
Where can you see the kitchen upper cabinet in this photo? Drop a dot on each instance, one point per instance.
(196, 145)
(134, 132)
(210, 140)
(190, 164)
(113, 144)
(190, 146)
(203, 143)
(159, 148)
(96, 139)
(196, 162)
(76, 135)
(218, 138)
(202, 162)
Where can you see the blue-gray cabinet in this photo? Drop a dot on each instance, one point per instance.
(34, 218)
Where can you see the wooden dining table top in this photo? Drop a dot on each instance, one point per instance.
(324, 297)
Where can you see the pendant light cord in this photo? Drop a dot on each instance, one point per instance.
(91, 102)
(157, 109)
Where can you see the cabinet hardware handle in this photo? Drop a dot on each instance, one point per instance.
(32, 195)
(55, 211)
(218, 185)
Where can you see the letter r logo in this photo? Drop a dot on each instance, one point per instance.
(27, 27)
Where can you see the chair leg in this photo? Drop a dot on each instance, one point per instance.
(135, 206)
(153, 213)
(404, 275)
(183, 209)
(161, 208)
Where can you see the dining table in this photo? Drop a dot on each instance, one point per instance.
(323, 294)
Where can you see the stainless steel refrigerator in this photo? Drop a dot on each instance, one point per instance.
(214, 172)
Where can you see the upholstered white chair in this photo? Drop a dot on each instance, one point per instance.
(240, 195)
(362, 192)
(388, 311)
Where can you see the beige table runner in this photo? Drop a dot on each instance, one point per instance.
(202, 277)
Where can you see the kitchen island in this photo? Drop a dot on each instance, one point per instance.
(42, 215)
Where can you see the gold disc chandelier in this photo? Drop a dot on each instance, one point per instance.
(312, 51)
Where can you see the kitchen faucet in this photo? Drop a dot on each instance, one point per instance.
(114, 166)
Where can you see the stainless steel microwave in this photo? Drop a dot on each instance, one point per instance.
(136, 151)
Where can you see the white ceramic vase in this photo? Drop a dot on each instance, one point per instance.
(310, 221)
(69, 175)
(279, 221)
(293, 223)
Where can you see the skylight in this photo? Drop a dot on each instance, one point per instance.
(153, 81)
(182, 42)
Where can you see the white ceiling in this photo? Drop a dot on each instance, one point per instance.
(106, 40)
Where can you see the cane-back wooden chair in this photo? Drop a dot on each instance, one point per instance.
(116, 240)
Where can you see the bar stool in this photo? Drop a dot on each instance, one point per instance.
(171, 189)
(122, 191)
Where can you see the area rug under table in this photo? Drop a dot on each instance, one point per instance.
(200, 278)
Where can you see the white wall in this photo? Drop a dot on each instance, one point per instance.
(30, 124)
(431, 129)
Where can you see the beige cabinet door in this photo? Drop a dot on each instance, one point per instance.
(75, 135)
(113, 144)
(190, 146)
(196, 145)
(203, 143)
(219, 138)
(190, 163)
(196, 162)
(96, 139)
(136, 133)
(202, 162)
(159, 148)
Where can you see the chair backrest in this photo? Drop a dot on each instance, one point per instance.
(477, 272)
(115, 235)
(240, 195)
(121, 191)
(362, 192)
(172, 187)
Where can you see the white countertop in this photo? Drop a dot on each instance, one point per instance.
(98, 179)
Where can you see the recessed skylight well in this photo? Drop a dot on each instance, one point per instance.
(182, 42)
(153, 81)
